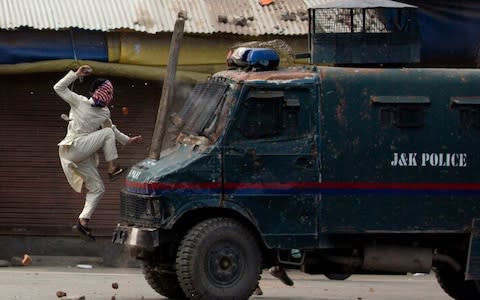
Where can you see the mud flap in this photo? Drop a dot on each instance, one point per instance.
(473, 261)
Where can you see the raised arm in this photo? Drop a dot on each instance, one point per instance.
(121, 137)
(124, 139)
(61, 87)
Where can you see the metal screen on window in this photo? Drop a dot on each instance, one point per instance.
(344, 20)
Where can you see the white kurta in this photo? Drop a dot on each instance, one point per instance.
(89, 130)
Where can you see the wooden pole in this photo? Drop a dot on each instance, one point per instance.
(167, 90)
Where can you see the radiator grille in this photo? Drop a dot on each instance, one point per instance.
(141, 210)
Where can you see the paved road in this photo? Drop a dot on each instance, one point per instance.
(42, 283)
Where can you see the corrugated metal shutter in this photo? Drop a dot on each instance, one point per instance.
(35, 198)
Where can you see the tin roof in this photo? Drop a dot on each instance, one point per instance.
(246, 17)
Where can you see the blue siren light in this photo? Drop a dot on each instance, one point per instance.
(256, 59)
(263, 59)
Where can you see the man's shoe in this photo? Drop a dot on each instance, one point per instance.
(116, 173)
(280, 273)
(84, 232)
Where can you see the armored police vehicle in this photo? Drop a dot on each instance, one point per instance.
(364, 166)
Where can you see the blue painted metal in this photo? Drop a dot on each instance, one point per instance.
(30, 46)
(449, 32)
(263, 59)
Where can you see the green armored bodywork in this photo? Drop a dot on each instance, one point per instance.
(355, 144)
(407, 139)
(357, 163)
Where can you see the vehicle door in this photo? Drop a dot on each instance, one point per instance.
(271, 161)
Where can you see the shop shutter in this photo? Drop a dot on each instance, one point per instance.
(35, 198)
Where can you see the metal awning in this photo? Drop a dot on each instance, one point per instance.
(313, 4)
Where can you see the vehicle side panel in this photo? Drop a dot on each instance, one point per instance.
(397, 155)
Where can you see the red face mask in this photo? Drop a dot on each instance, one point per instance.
(103, 95)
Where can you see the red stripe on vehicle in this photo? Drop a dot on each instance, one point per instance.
(307, 185)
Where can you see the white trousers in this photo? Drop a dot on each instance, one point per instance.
(83, 154)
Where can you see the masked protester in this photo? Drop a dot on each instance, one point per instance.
(89, 130)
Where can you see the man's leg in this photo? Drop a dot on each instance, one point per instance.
(94, 185)
(89, 144)
(110, 152)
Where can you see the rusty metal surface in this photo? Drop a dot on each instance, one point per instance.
(286, 74)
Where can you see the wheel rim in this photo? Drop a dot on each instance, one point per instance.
(225, 265)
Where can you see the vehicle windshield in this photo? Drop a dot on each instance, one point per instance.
(198, 120)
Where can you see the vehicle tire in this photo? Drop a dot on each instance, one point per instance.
(337, 276)
(454, 284)
(219, 259)
(164, 282)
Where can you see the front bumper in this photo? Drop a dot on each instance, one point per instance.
(136, 237)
